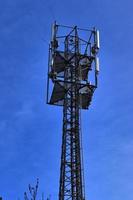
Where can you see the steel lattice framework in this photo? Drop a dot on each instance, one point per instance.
(71, 59)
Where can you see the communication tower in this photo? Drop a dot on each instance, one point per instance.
(72, 79)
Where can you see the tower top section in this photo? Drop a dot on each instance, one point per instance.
(72, 50)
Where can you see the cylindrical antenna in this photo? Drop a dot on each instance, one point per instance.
(97, 40)
(54, 42)
(54, 30)
(97, 64)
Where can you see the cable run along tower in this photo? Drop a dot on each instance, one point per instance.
(72, 79)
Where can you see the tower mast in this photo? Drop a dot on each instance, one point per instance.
(70, 61)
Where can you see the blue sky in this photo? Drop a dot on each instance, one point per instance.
(30, 130)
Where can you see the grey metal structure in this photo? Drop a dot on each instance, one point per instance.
(72, 80)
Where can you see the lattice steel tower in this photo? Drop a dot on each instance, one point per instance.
(72, 79)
